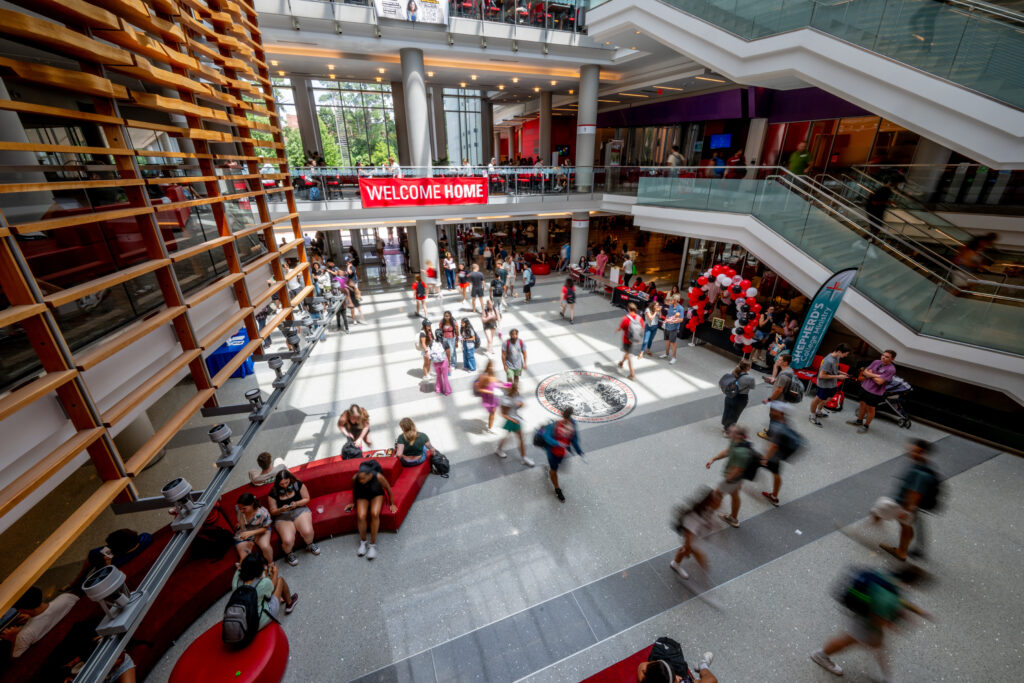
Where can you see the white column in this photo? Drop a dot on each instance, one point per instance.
(426, 236)
(579, 235)
(414, 248)
(357, 241)
(544, 139)
(929, 163)
(440, 124)
(586, 127)
(497, 147)
(401, 122)
(542, 233)
(755, 140)
(414, 89)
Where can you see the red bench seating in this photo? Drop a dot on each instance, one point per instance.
(623, 671)
(811, 374)
(208, 659)
(196, 583)
(541, 269)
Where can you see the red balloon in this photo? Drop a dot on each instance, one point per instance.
(751, 301)
(731, 272)
(716, 271)
(732, 338)
(749, 328)
(745, 284)
(748, 348)
(702, 281)
(756, 308)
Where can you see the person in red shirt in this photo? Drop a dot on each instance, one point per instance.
(419, 290)
(631, 318)
(638, 286)
(569, 300)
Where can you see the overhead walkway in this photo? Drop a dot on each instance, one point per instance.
(904, 296)
(949, 71)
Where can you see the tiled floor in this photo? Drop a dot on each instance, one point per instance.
(491, 578)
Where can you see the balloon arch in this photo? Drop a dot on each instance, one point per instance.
(733, 288)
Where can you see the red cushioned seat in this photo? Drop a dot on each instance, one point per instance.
(623, 671)
(208, 659)
(541, 269)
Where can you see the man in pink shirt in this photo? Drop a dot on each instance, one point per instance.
(876, 378)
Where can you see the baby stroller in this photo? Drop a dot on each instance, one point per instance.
(895, 390)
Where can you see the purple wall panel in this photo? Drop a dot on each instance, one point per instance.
(809, 104)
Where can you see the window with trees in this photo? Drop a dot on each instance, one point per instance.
(357, 122)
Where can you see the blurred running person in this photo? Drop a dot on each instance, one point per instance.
(693, 521)
(737, 455)
(569, 300)
(735, 405)
(511, 404)
(918, 489)
(876, 378)
(559, 438)
(784, 443)
(487, 388)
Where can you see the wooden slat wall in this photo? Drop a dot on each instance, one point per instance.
(203, 62)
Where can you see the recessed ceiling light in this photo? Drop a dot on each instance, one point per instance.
(378, 79)
(462, 84)
(571, 92)
(708, 78)
(472, 77)
(330, 67)
(280, 73)
(633, 48)
(381, 70)
(638, 32)
(607, 42)
(536, 89)
(273, 62)
(331, 77)
(501, 86)
(554, 82)
(430, 74)
(515, 79)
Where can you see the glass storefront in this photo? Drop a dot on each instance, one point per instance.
(462, 125)
(840, 143)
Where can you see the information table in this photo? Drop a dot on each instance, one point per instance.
(226, 351)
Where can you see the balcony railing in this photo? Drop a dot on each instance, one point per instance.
(974, 44)
(923, 291)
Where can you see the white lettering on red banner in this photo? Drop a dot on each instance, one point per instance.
(388, 192)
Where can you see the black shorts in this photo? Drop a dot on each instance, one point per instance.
(825, 394)
(773, 464)
(627, 346)
(671, 335)
(477, 292)
(871, 400)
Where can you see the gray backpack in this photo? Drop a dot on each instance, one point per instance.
(635, 331)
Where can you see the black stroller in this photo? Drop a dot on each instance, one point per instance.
(895, 390)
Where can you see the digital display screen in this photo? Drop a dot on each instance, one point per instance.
(720, 141)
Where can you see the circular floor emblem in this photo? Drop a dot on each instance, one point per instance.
(594, 396)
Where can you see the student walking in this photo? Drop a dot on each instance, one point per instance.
(470, 341)
(674, 316)
(876, 378)
(569, 300)
(450, 339)
(829, 377)
(919, 489)
(490, 317)
(737, 458)
(448, 264)
(476, 286)
(780, 387)
(737, 394)
(511, 404)
(498, 290)
(341, 316)
(513, 357)
(487, 387)
(529, 280)
(693, 521)
(419, 291)
(559, 438)
(632, 327)
(652, 318)
(439, 357)
(784, 443)
(426, 338)
(463, 283)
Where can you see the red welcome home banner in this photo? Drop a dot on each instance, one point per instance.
(387, 192)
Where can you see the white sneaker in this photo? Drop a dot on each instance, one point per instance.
(672, 362)
(528, 461)
(371, 552)
(362, 548)
(663, 356)
(822, 660)
(679, 570)
(705, 661)
(501, 454)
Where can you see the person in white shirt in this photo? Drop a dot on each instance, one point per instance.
(676, 158)
(396, 170)
(39, 617)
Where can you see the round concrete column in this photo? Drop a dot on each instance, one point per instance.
(417, 115)
(586, 127)
(579, 235)
(542, 233)
(426, 236)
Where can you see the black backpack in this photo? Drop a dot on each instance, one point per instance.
(439, 464)
(421, 289)
(351, 451)
(538, 436)
(730, 385)
(794, 393)
(241, 620)
(570, 295)
(496, 289)
(932, 493)
(671, 652)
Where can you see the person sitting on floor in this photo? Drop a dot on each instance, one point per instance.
(35, 619)
(411, 447)
(268, 469)
(368, 488)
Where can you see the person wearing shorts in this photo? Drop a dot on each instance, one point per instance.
(513, 357)
(511, 404)
(271, 589)
(828, 381)
(876, 378)
(368, 488)
(736, 456)
(627, 345)
(287, 501)
(674, 315)
(476, 286)
(463, 280)
(559, 438)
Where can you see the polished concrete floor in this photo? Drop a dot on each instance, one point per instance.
(492, 578)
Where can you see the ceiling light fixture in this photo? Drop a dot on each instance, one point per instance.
(629, 94)
(607, 42)
(501, 86)
(571, 92)
(273, 62)
(472, 77)
(331, 76)
(280, 73)
(462, 84)
(708, 78)
(638, 32)
(536, 89)
(633, 48)
(554, 82)
(668, 87)
(378, 79)
(609, 101)
(515, 79)
(330, 67)
(430, 74)
(381, 70)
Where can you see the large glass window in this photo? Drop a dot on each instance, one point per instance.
(357, 122)
(463, 124)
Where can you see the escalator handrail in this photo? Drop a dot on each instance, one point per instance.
(790, 181)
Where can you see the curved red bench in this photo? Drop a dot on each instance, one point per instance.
(198, 583)
(541, 269)
(208, 659)
(623, 671)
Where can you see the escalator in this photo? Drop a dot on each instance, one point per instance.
(946, 69)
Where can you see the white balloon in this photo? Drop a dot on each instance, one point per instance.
(736, 279)
(724, 280)
(752, 292)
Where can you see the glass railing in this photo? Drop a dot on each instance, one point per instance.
(950, 187)
(895, 274)
(974, 44)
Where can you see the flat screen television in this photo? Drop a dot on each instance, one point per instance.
(720, 141)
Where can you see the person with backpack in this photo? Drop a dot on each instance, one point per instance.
(692, 521)
(511, 404)
(569, 300)
(786, 388)
(919, 489)
(476, 286)
(470, 341)
(784, 443)
(666, 664)
(874, 604)
(438, 355)
(257, 592)
(632, 327)
(498, 290)
(741, 462)
(557, 439)
(736, 386)
(368, 488)
(513, 357)
(419, 290)
(529, 280)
